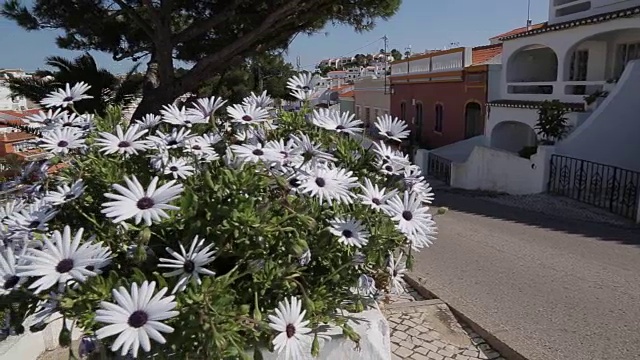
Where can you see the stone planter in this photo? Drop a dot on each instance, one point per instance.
(375, 340)
(28, 346)
(374, 330)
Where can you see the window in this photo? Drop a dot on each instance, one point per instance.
(358, 112)
(579, 61)
(439, 115)
(626, 53)
(375, 114)
(419, 115)
(386, 112)
(403, 111)
(367, 115)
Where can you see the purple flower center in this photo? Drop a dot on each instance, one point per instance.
(376, 201)
(258, 152)
(173, 168)
(64, 266)
(320, 182)
(347, 233)
(291, 330)
(124, 144)
(34, 224)
(68, 99)
(172, 142)
(138, 318)
(189, 266)
(63, 143)
(407, 215)
(145, 203)
(340, 127)
(294, 182)
(247, 118)
(196, 147)
(11, 282)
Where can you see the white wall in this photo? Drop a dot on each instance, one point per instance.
(6, 103)
(498, 114)
(564, 42)
(596, 7)
(610, 134)
(494, 81)
(501, 171)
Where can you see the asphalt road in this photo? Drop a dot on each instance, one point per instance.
(549, 288)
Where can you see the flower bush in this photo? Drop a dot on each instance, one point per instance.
(209, 231)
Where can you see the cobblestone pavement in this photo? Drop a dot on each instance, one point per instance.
(427, 330)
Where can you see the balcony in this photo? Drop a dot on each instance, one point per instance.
(565, 91)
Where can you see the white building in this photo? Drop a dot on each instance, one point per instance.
(6, 101)
(586, 46)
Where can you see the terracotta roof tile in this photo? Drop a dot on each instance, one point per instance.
(519, 30)
(348, 94)
(15, 136)
(483, 54)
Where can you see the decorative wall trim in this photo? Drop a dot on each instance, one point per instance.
(522, 104)
(591, 20)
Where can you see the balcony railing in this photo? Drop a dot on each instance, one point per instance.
(566, 91)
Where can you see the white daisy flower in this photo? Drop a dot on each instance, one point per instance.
(310, 150)
(60, 141)
(137, 317)
(415, 182)
(71, 120)
(249, 153)
(67, 96)
(11, 207)
(349, 231)
(390, 167)
(65, 193)
(359, 259)
(178, 116)
(366, 285)
(189, 265)
(247, 114)
(387, 154)
(149, 121)
(211, 139)
(179, 168)
(335, 121)
(50, 117)
(32, 218)
(200, 148)
(392, 128)
(263, 100)
(373, 196)
(202, 109)
(45, 309)
(61, 260)
(157, 161)
(396, 269)
(135, 202)
(127, 143)
(293, 332)
(305, 258)
(411, 217)
(175, 139)
(281, 154)
(302, 86)
(329, 184)
(8, 273)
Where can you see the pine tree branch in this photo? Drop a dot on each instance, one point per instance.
(201, 27)
(136, 17)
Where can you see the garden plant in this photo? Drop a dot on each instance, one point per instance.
(211, 230)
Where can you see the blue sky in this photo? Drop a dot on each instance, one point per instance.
(423, 24)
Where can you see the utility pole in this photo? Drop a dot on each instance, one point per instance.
(386, 63)
(298, 63)
(529, 15)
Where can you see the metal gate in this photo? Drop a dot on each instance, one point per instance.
(439, 168)
(612, 188)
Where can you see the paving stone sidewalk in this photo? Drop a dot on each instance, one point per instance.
(427, 330)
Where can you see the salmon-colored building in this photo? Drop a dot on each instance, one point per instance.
(442, 94)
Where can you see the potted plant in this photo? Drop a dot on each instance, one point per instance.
(592, 101)
(610, 84)
(210, 232)
(552, 124)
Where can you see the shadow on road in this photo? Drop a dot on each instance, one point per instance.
(465, 202)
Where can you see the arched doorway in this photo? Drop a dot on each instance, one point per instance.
(473, 120)
(529, 65)
(512, 136)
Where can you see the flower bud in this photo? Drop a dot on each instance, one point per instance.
(315, 346)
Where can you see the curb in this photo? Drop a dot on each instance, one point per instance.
(505, 350)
